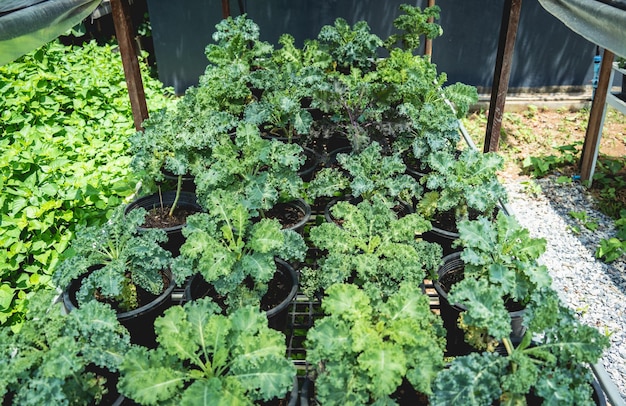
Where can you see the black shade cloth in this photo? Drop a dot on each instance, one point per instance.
(28, 24)
(602, 22)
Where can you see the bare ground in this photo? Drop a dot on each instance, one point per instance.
(537, 131)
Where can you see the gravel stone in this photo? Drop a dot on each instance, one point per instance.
(594, 289)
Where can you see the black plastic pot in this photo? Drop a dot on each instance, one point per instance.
(277, 316)
(311, 164)
(187, 201)
(188, 183)
(444, 238)
(138, 322)
(301, 206)
(450, 312)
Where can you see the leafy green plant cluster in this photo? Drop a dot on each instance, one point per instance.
(413, 25)
(366, 175)
(609, 185)
(613, 248)
(249, 168)
(233, 253)
(462, 184)
(543, 165)
(364, 348)
(116, 259)
(62, 359)
(551, 365)
(501, 272)
(204, 356)
(64, 161)
(350, 45)
(372, 248)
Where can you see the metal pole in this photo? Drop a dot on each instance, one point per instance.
(502, 72)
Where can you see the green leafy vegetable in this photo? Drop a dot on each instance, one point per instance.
(365, 175)
(469, 182)
(207, 357)
(413, 24)
(116, 258)
(363, 350)
(64, 127)
(372, 246)
(226, 247)
(552, 364)
(65, 359)
(257, 171)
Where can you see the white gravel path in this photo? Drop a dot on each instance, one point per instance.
(595, 290)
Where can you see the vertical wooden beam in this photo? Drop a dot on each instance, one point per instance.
(428, 43)
(594, 127)
(124, 34)
(225, 8)
(502, 72)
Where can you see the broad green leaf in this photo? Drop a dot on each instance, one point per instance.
(471, 380)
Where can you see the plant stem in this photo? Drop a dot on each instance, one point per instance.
(508, 345)
(178, 188)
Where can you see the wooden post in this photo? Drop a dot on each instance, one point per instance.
(225, 8)
(124, 34)
(592, 135)
(502, 72)
(428, 44)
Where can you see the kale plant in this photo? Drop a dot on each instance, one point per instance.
(413, 24)
(363, 349)
(350, 46)
(61, 359)
(366, 175)
(233, 253)
(373, 248)
(355, 103)
(210, 358)
(459, 185)
(116, 259)
(237, 42)
(551, 361)
(256, 171)
(500, 271)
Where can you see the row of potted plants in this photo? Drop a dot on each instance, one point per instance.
(399, 174)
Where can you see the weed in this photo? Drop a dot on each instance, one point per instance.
(531, 188)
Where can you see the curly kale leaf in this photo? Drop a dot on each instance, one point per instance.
(225, 246)
(369, 173)
(469, 182)
(472, 380)
(59, 357)
(254, 170)
(237, 40)
(350, 46)
(115, 257)
(462, 96)
(365, 349)
(373, 246)
(484, 304)
(413, 24)
(504, 253)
